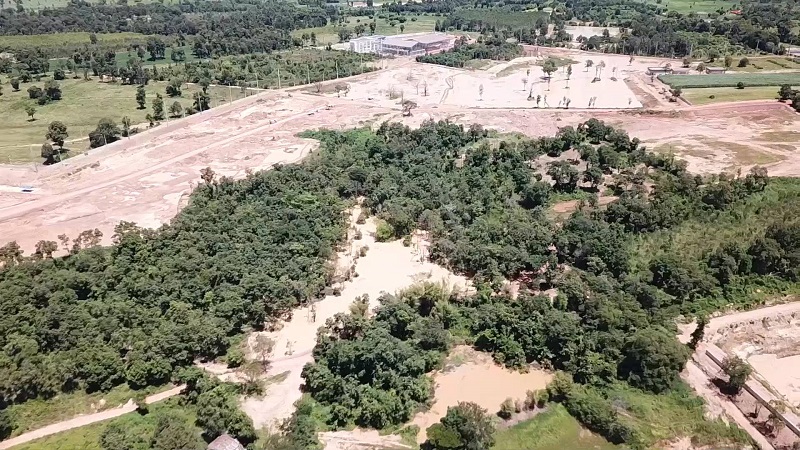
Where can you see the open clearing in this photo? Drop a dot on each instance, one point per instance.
(553, 429)
(731, 80)
(329, 34)
(489, 384)
(703, 96)
(515, 84)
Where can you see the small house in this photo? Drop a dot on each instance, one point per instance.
(225, 442)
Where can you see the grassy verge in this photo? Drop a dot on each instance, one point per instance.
(731, 80)
(705, 96)
(35, 414)
(700, 6)
(678, 413)
(553, 429)
(82, 105)
(757, 64)
(71, 38)
(413, 24)
(88, 437)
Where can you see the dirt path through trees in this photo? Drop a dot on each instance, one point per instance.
(386, 267)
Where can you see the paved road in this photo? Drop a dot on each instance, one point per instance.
(88, 419)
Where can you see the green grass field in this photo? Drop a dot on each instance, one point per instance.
(82, 105)
(55, 40)
(413, 24)
(502, 18)
(83, 438)
(703, 96)
(758, 64)
(553, 429)
(699, 7)
(731, 79)
(34, 414)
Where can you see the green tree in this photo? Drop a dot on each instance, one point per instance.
(176, 109)
(48, 153)
(466, 426)
(126, 126)
(786, 92)
(57, 132)
(141, 96)
(6, 424)
(699, 331)
(106, 132)
(34, 92)
(202, 101)
(174, 88)
(738, 372)
(564, 174)
(119, 435)
(158, 108)
(384, 232)
(15, 84)
(653, 358)
(30, 110)
(549, 67)
(173, 432)
(52, 90)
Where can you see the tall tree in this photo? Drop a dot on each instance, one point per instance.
(57, 132)
(141, 96)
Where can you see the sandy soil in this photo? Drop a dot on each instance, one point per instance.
(387, 267)
(503, 85)
(360, 440)
(480, 380)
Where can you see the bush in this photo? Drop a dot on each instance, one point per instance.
(363, 250)
(740, 85)
(234, 357)
(744, 62)
(507, 409)
(384, 232)
(407, 241)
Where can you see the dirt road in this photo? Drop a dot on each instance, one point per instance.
(700, 369)
(88, 419)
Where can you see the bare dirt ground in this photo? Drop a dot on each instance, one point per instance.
(360, 440)
(489, 384)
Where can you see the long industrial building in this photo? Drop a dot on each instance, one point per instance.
(402, 44)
